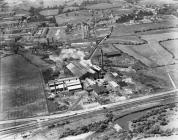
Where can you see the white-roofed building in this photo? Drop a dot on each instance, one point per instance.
(81, 70)
(72, 83)
(115, 87)
(75, 87)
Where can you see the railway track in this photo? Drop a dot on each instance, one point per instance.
(57, 121)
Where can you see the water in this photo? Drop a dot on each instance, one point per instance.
(124, 121)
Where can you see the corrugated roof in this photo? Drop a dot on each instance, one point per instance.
(74, 87)
(113, 84)
(76, 69)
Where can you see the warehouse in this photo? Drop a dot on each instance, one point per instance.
(70, 84)
(81, 71)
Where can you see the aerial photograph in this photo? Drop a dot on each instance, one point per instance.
(88, 69)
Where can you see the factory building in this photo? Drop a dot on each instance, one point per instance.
(82, 71)
(70, 84)
(115, 87)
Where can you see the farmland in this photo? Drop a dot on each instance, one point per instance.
(22, 93)
(51, 12)
(73, 17)
(141, 55)
(147, 28)
(104, 6)
(151, 53)
(128, 39)
(153, 42)
(171, 45)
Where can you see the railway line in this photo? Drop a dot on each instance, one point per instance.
(44, 123)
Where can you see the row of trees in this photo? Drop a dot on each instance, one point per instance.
(96, 126)
(136, 15)
(151, 122)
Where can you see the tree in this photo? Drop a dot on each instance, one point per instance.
(69, 28)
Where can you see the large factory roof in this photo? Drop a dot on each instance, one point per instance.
(78, 69)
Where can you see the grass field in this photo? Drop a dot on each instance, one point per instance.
(121, 29)
(153, 42)
(158, 2)
(171, 45)
(130, 39)
(22, 93)
(51, 12)
(100, 6)
(173, 71)
(144, 55)
(71, 17)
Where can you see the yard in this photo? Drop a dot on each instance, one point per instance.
(22, 93)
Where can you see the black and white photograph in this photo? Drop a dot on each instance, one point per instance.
(88, 69)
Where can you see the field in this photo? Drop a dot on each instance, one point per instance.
(153, 42)
(22, 93)
(128, 39)
(143, 55)
(60, 34)
(119, 11)
(157, 2)
(57, 32)
(100, 6)
(151, 54)
(51, 12)
(121, 29)
(71, 17)
(171, 45)
(173, 71)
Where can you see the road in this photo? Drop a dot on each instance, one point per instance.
(44, 121)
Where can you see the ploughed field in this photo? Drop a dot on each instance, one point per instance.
(22, 93)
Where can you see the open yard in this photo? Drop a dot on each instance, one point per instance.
(21, 93)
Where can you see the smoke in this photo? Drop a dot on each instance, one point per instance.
(68, 53)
